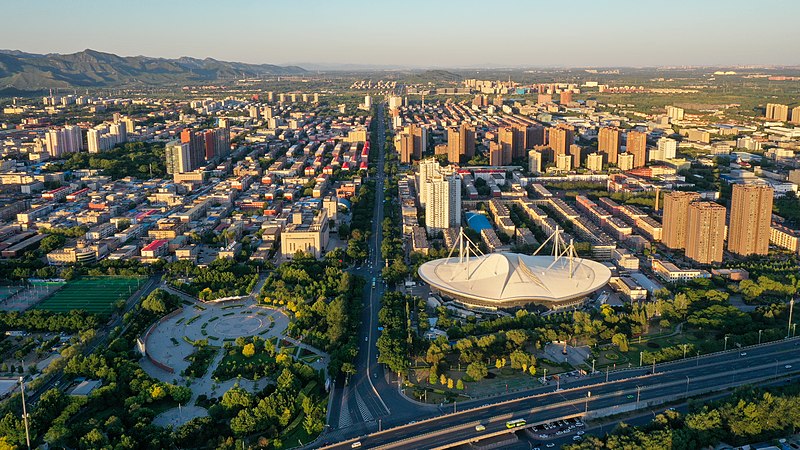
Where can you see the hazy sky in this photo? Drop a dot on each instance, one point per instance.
(424, 33)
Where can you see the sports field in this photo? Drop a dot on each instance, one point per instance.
(93, 294)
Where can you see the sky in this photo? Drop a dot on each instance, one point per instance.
(417, 33)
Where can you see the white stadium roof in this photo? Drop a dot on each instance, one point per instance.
(512, 279)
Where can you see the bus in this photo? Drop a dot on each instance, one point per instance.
(515, 423)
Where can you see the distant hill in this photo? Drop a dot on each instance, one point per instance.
(91, 68)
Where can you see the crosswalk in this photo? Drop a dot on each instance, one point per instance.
(362, 408)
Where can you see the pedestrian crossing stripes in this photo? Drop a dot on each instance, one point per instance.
(362, 408)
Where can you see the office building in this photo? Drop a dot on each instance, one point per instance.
(560, 138)
(777, 112)
(676, 216)
(535, 162)
(705, 232)
(308, 232)
(636, 145)
(594, 162)
(608, 143)
(751, 215)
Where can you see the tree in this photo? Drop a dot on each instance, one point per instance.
(449, 383)
(442, 379)
(157, 392)
(477, 370)
(459, 385)
(621, 341)
(248, 350)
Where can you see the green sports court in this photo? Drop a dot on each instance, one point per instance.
(95, 295)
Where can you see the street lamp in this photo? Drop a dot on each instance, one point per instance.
(25, 412)
(726, 343)
(588, 394)
(759, 336)
(638, 394)
(687, 385)
(685, 347)
(791, 309)
(640, 358)
(592, 366)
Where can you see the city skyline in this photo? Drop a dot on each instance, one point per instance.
(424, 35)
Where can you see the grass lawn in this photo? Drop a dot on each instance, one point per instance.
(235, 364)
(96, 295)
(200, 360)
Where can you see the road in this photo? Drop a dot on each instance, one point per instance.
(368, 399)
(694, 375)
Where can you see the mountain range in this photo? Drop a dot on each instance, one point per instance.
(91, 68)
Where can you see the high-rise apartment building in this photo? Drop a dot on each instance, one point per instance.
(594, 162)
(495, 154)
(636, 145)
(564, 162)
(566, 97)
(667, 148)
(625, 161)
(197, 150)
(575, 151)
(460, 143)
(705, 232)
(534, 135)
(560, 138)
(676, 214)
(520, 141)
(778, 112)
(404, 142)
(507, 141)
(441, 190)
(796, 115)
(61, 141)
(608, 143)
(178, 157)
(751, 215)
(675, 113)
(535, 161)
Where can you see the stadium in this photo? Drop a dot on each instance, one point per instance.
(507, 280)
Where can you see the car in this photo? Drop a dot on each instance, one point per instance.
(743, 354)
(788, 366)
(550, 445)
(577, 438)
(366, 338)
(479, 427)
(629, 396)
(580, 433)
(356, 444)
